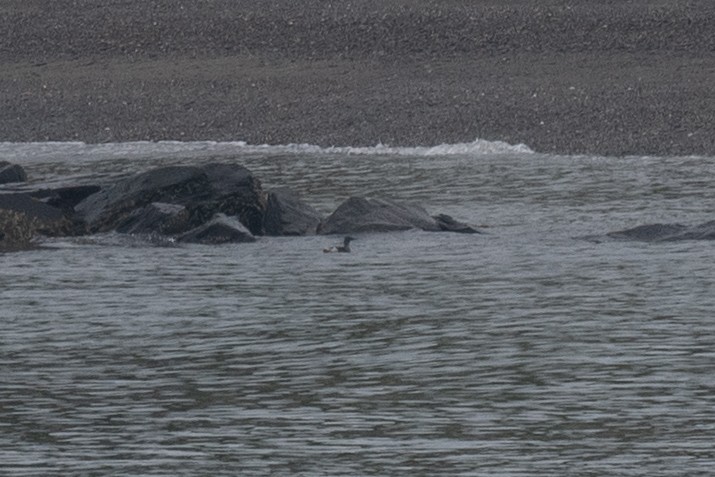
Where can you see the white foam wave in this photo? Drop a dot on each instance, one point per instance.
(476, 148)
(49, 151)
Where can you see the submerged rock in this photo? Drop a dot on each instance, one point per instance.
(11, 173)
(448, 224)
(663, 233)
(286, 214)
(704, 231)
(361, 214)
(221, 229)
(204, 191)
(649, 232)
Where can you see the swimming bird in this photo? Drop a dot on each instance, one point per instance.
(345, 247)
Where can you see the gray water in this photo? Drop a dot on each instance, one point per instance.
(519, 352)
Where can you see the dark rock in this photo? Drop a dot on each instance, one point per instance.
(46, 220)
(286, 214)
(31, 207)
(665, 232)
(221, 229)
(22, 218)
(447, 224)
(649, 232)
(109, 207)
(228, 179)
(65, 198)
(204, 191)
(11, 173)
(234, 191)
(360, 214)
(16, 230)
(156, 218)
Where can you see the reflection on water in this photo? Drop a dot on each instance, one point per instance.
(519, 352)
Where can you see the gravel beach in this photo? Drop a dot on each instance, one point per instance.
(570, 77)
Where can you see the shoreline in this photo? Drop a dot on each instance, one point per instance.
(642, 88)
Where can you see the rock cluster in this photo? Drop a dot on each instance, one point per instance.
(226, 203)
(211, 204)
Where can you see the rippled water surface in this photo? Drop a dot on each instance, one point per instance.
(522, 351)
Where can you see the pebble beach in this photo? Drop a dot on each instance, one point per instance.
(610, 78)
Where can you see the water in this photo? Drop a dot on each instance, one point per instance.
(523, 351)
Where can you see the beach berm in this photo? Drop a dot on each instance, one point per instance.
(601, 77)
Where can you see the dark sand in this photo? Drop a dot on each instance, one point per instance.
(605, 77)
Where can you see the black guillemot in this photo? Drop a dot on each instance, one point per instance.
(345, 247)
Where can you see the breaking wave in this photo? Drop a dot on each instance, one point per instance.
(44, 151)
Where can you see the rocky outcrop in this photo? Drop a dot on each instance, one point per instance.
(214, 203)
(221, 229)
(286, 214)
(156, 218)
(661, 233)
(11, 173)
(361, 214)
(204, 191)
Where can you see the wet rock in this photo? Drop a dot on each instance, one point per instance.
(11, 173)
(17, 231)
(45, 219)
(649, 232)
(235, 191)
(664, 232)
(156, 218)
(448, 224)
(109, 207)
(65, 198)
(29, 206)
(23, 218)
(204, 191)
(361, 214)
(286, 214)
(221, 229)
